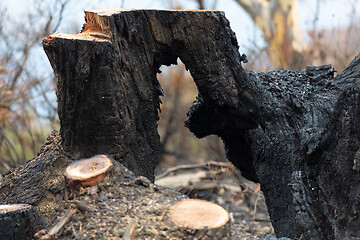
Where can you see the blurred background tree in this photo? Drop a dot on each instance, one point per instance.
(27, 99)
(279, 24)
(27, 105)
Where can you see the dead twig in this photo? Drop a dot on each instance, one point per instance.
(189, 166)
(58, 226)
(81, 206)
(257, 192)
(130, 229)
(207, 165)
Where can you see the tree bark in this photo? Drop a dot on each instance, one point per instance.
(304, 150)
(20, 221)
(297, 133)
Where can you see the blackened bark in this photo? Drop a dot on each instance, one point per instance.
(304, 150)
(20, 221)
(297, 133)
(104, 106)
(40, 181)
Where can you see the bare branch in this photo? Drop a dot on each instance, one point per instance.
(58, 226)
(61, 13)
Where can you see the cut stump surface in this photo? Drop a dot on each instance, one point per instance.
(195, 214)
(87, 172)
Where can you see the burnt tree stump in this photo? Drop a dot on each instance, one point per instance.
(20, 221)
(304, 148)
(297, 133)
(108, 93)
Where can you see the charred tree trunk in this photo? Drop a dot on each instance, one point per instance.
(108, 93)
(297, 133)
(304, 150)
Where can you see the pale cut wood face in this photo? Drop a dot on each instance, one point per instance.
(87, 172)
(198, 214)
(12, 207)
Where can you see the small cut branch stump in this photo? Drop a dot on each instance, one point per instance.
(87, 172)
